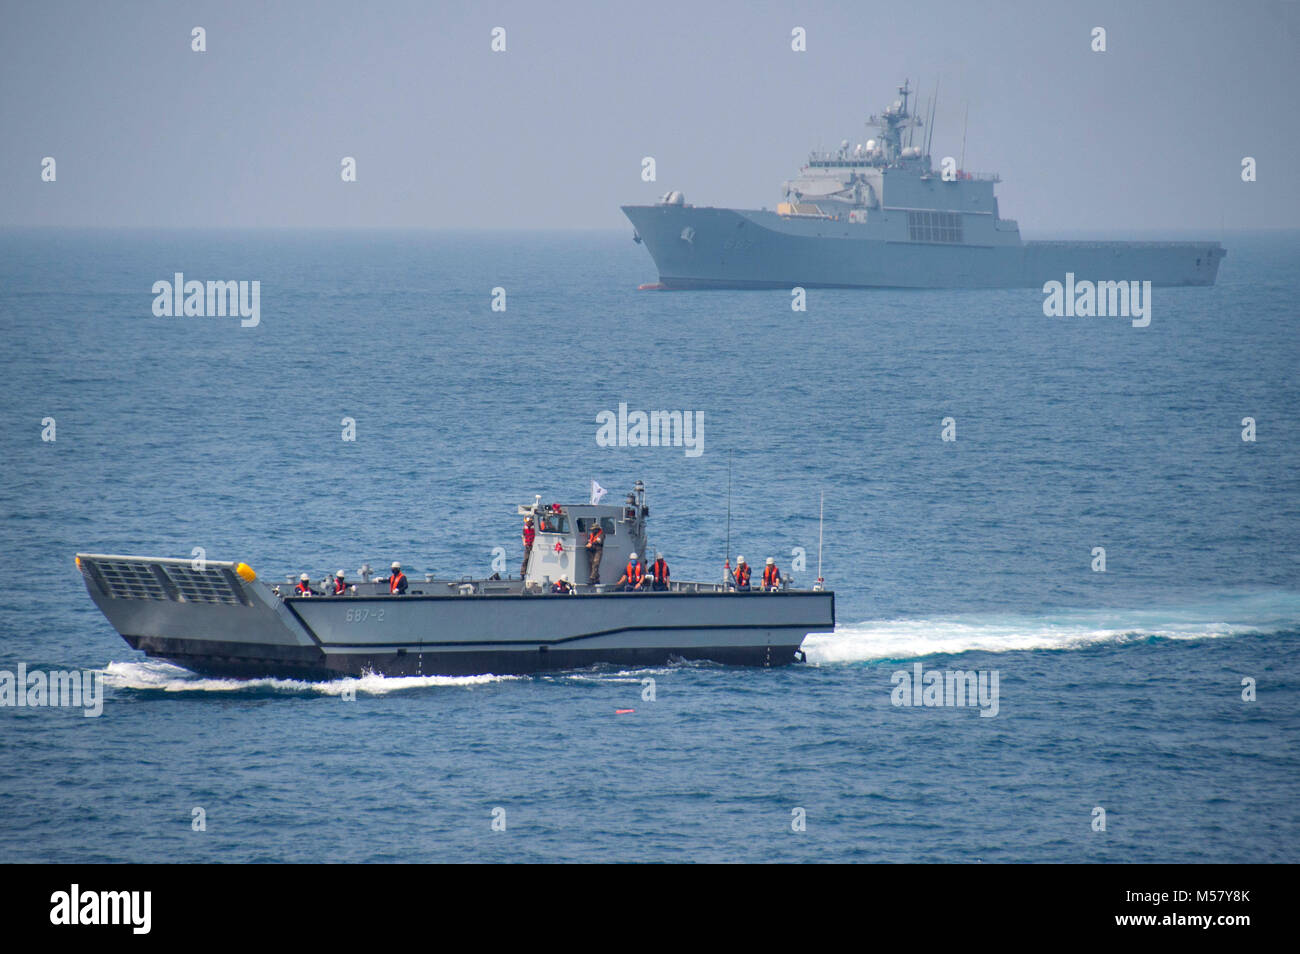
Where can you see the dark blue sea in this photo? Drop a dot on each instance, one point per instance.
(1120, 690)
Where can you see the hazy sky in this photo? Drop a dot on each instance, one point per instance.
(551, 133)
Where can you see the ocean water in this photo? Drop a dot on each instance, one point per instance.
(1119, 690)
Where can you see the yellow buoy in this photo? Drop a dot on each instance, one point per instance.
(245, 572)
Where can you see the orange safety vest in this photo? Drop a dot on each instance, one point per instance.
(596, 538)
(660, 570)
(635, 572)
(770, 575)
(304, 589)
(742, 575)
(529, 535)
(339, 586)
(396, 580)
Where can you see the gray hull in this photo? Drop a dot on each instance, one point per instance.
(733, 248)
(215, 622)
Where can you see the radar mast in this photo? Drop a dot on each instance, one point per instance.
(891, 123)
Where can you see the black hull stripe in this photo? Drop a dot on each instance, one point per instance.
(227, 660)
(520, 643)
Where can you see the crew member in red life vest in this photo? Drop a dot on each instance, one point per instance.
(659, 573)
(595, 547)
(304, 586)
(397, 580)
(771, 575)
(529, 536)
(551, 519)
(340, 584)
(561, 586)
(632, 576)
(741, 574)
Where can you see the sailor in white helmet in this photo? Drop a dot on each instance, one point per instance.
(771, 575)
(304, 586)
(633, 574)
(396, 580)
(741, 573)
(340, 583)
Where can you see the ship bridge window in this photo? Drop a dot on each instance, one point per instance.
(553, 523)
(587, 524)
(934, 226)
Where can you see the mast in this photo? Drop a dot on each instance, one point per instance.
(962, 164)
(728, 562)
(910, 129)
(821, 512)
(891, 122)
(929, 133)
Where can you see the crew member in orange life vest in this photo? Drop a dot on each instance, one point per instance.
(771, 575)
(595, 547)
(632, 576)
(741, 574)
(397, 580)
(529, 535)
(549, 525)
(659, 573)
(340, 585)
(304, 587)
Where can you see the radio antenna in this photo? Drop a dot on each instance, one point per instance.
(962, 164)
(912, 127)
(929, 133)
(821, 513)
(728, 507)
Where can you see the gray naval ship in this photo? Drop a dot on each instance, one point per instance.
(220, 618)
(877, 214)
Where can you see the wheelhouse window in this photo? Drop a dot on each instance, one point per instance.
(934, 226)
(553, 523)
(587, 524)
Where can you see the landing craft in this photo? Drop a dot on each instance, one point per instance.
(877, 214)
(220, 619)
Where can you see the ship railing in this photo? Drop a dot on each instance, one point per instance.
(469, 587)
(677, 586)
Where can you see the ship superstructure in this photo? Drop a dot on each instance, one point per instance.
(877, 214)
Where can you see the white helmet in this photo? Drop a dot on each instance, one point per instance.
(304, 578)
(632, 556)
(396, 565)
(770, 561)
(340, 574)
(740, 560)
(658, 555)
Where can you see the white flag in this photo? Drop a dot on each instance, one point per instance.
(597, 491)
